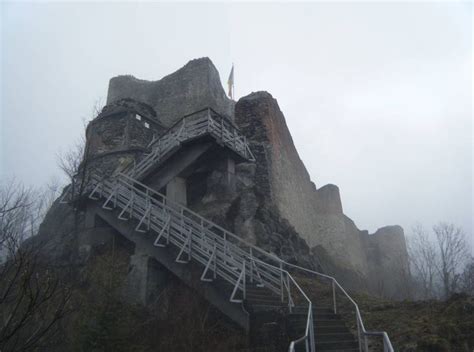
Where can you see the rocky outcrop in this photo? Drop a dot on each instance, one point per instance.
(195, 86)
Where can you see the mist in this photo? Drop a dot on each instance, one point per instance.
(378, 97)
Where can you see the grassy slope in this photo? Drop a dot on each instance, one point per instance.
(412, 326)
(422, 325)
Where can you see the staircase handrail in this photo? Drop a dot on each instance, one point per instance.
(219, 126)
(226, 235)
(308, 337)
(189, 115)
(360, 324)
(183, 208)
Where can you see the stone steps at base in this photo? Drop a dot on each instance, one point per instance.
(335, 345)
(340, 350)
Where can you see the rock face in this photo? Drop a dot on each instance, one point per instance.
(316, 214)
(195, 86)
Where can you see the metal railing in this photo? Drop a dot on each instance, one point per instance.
(222, 253)
(197, 124)
(362, 333)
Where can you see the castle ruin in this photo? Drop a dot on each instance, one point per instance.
(187, 175)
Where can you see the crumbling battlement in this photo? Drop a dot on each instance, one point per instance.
(316, 214)
(193, 87)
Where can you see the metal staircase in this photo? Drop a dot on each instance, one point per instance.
(202, 123)
(254, 276)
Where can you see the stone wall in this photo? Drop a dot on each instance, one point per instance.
(119, 135)
(388, 262)
(316, 214)
(193, 87)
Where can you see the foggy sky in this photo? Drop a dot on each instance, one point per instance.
(377, 96)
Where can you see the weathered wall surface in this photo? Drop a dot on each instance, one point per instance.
(193, 87)
(316, 214)
(116, 137)
(388, 261)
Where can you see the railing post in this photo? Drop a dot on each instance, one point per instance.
(281, 282)
(334, 296)
(290, 308)
(251, 265)
(358, 333)
(235, 138)
(215, 259)
(182, 134)
(116, 192)
(244, 283)
(222, 130)
(311, 330)
(208, 119)
(132, 201)
(190, 239)
(366, 345)
(225, 247)
(245, 146)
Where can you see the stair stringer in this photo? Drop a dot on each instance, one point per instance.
(160, 175)
(214, 292)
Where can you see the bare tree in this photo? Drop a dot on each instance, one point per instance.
(32, 299)
(16, 202)
(467, 278)
(69, 161)
(452, 246)
(423, 257)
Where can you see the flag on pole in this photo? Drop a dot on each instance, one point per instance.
(230, 83)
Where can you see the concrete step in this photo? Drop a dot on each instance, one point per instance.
(336, 345)
(265, 300)
(316, 309)
(316, 317)
(331, 330)
(319, 324)
(333, 337)
(262, 295)
(339, 350)
(266, 307)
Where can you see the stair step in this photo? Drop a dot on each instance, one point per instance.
(317, 309)
(263, 295)
(336, 345)
(265, 299)
(333, 336)
(331, 330)
(339, 350)
(316, 317)
(267, 307)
